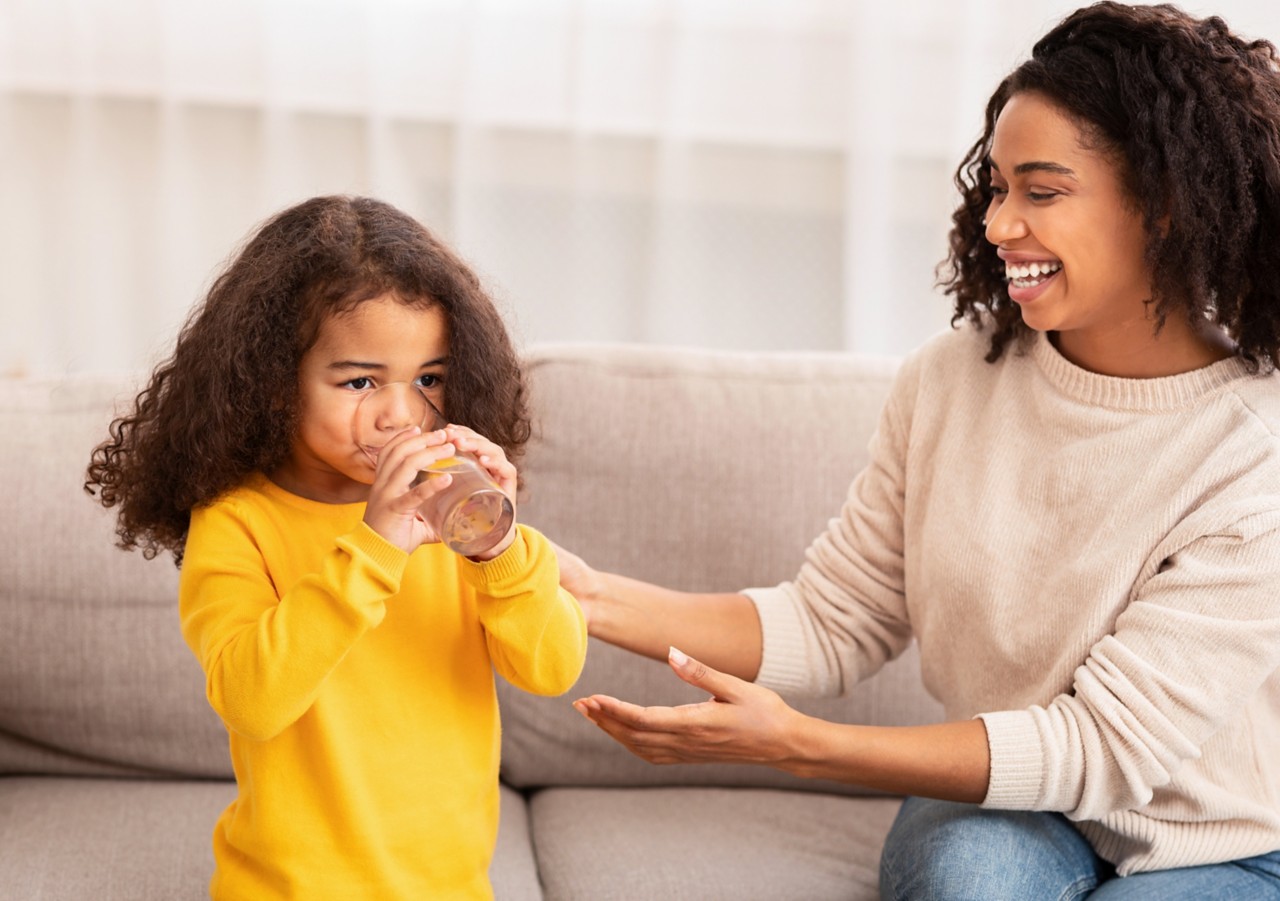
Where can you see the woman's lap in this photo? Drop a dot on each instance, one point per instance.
(943, 850)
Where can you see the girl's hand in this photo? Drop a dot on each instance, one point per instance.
(740, 723)
(392, 508)
(494, 460)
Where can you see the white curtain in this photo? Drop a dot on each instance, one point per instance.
(740, 174)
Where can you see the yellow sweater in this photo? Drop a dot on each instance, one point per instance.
(356, 683)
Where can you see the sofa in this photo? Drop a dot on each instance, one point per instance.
(697, 469)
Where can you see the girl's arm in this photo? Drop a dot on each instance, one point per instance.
(266, 655)
(722, 629)
(535, 630)
(745, 723)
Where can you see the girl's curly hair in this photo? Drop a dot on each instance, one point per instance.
(1191, 114)
(225, 404)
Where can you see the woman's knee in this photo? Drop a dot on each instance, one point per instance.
(941, 849)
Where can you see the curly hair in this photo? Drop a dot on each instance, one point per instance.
(1191, 114)
(225, 403)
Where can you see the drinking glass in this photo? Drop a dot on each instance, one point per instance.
(471, 514)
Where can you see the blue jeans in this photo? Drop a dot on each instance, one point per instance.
(940, 851)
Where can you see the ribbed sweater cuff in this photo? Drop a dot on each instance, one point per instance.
(494, 577)
(783, 666)
(388, 560)
(1017, 760)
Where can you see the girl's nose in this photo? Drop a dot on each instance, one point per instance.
(400, 406)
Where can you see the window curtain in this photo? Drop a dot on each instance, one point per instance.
(738, 174)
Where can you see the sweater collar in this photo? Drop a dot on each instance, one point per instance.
(1163, 393)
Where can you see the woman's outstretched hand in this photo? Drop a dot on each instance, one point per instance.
(740, 723)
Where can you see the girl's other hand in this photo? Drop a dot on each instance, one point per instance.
(392, 508)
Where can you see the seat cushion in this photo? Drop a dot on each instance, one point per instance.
(707, 844)
(151, 840)
(108, 839)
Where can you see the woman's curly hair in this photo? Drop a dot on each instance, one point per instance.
(225, 404)
(1191, 114)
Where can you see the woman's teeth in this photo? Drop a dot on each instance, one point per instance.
(1024, 275)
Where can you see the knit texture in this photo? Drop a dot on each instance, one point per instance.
(356, 685)
(1092, 566)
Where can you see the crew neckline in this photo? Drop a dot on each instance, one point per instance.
(1160, 393)
(265, 485)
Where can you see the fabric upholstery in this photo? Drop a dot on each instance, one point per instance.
(708, 844)
(696, 469)
(94, 676)
(701, 471)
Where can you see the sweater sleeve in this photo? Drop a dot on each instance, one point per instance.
(536, 632)
(844, 615)
(1197, 641)
(266, 654)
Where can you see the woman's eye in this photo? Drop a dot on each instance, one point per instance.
(1038, 197)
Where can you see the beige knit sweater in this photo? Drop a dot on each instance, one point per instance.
(1092, 565)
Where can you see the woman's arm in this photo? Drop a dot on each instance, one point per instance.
(745, 723)
(722, 629)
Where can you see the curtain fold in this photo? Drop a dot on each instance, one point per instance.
(741, 174)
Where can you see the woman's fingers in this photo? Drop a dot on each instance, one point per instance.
(742, 723)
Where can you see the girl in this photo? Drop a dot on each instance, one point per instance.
(1072, 504)
(349, 654)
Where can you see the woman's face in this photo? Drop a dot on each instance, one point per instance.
(1071, 242)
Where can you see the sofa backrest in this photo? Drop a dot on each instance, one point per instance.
(95, 678)
(695, 469)
(698, 470)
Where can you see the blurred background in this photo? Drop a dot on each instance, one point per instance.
(737, 174)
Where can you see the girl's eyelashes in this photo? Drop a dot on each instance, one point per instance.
(364, 382)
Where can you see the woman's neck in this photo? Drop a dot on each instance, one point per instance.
(1135, 350)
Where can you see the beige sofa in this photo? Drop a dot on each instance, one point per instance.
(696, 469)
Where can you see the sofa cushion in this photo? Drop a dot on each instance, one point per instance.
(708, 844)
(94, 676)
(152, 840)
(108, 839)
(698, 470)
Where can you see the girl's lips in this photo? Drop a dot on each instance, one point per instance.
(1027, 295)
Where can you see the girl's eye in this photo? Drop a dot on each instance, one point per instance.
(428, 381)
(359, 383)
(998, 190)
(1038, 197)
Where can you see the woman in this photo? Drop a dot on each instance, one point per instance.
(1072, 504)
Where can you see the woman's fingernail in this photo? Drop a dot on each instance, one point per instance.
(677, 656)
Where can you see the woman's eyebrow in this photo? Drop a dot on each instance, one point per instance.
(1037, 166)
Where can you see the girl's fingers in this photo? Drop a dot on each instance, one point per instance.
(490, 455)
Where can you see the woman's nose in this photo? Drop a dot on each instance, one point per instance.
(1003, 223)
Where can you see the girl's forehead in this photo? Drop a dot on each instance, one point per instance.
(384, 325)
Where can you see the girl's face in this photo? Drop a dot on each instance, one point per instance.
(1071, 242)
(379, 342)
